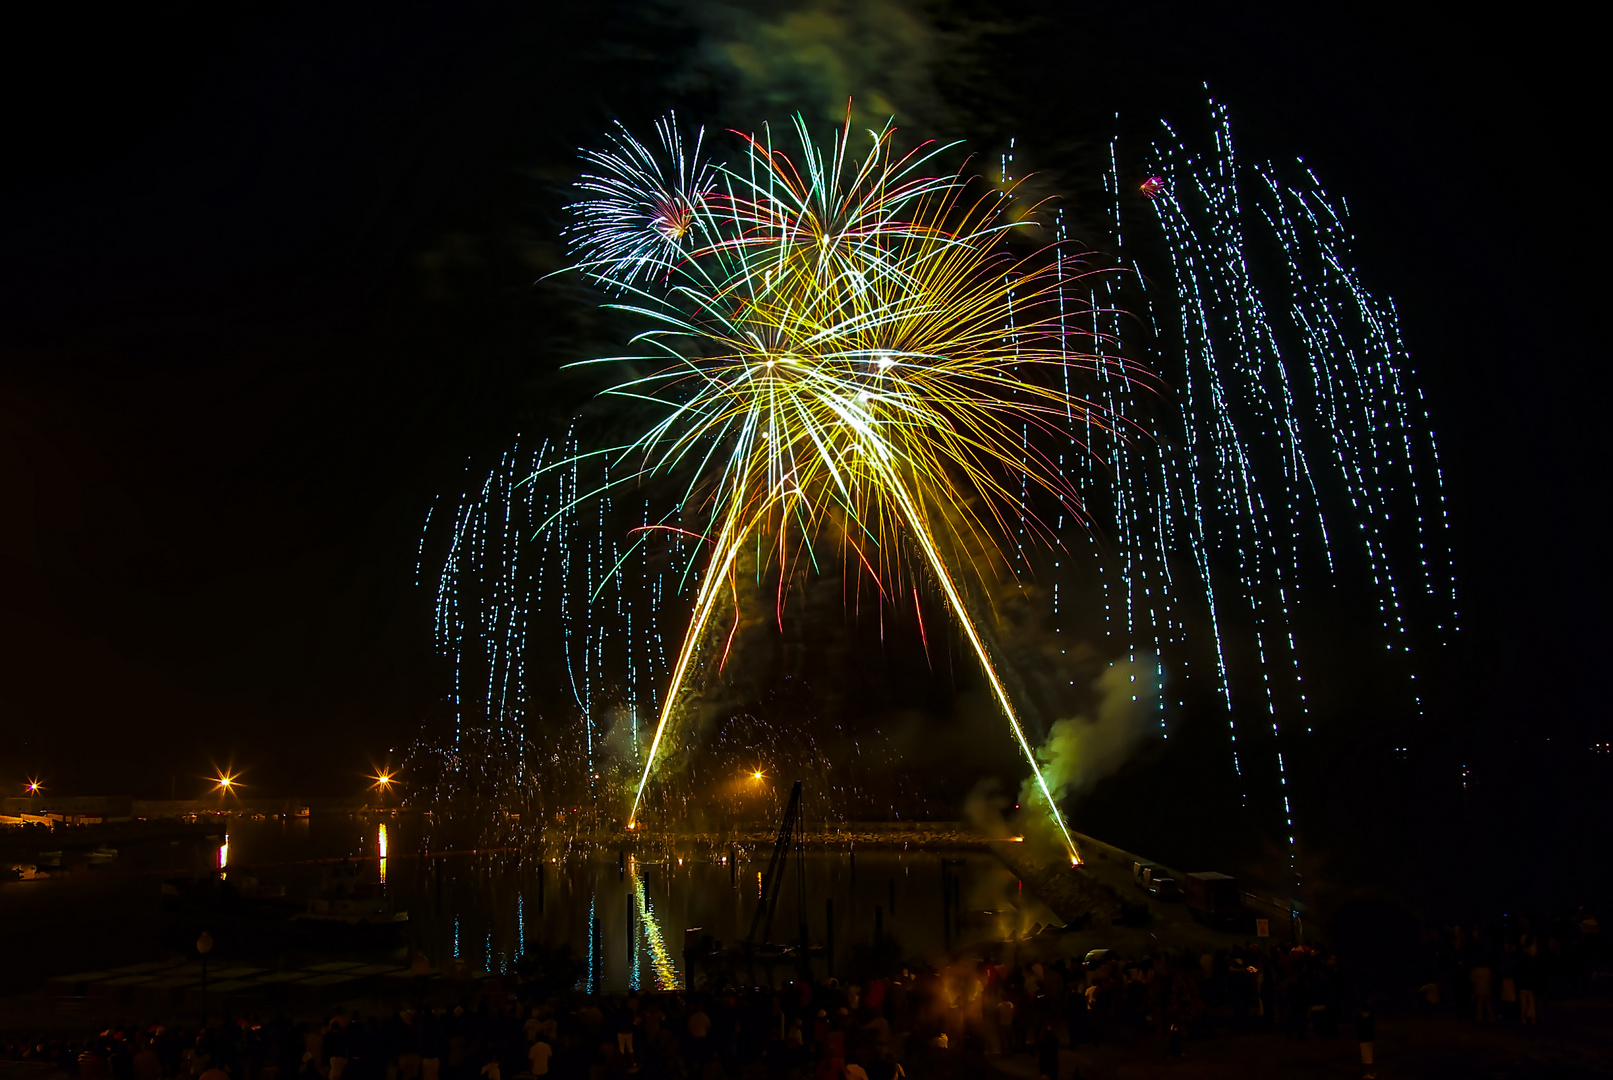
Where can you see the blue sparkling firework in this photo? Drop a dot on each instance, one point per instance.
(1297, 446)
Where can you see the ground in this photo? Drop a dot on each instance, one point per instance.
(1575, 1040)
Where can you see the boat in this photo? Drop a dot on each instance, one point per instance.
(342, 899)
(353, 911)
(341, 912)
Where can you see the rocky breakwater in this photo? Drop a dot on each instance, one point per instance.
(1070, 892)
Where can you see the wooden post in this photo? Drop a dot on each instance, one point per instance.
(829, 935)
(805, 938)
(957, 903)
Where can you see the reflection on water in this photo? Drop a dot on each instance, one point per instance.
(626, 915)
(666, 972)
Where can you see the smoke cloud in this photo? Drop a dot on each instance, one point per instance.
(1082, 750)
(1078, 753)
(772, 60)
(983, 810)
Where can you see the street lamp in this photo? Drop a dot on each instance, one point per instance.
(384, 780)
(204, 945)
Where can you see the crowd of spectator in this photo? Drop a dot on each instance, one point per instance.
(1499, 973)
(915, 1022)
(921, 1023)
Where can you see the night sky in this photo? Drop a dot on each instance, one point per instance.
(269, 282)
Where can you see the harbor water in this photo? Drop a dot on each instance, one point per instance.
(627, 916)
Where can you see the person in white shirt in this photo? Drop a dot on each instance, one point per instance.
(538, 1054)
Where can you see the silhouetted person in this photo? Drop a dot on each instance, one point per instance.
(1047, 1052)
(1528, 979)
(146, 1064)
(1483, 992)
(699, 1028)
(1366, 1031)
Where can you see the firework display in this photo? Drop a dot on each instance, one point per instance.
(641, 205)
(857, 357)
(848, 350)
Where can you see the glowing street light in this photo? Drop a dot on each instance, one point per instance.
(383, 781)
(226, 782)
(34, 787)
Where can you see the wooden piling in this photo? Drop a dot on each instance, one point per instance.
(829, 935)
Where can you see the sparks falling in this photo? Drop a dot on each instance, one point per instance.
(1301, 458)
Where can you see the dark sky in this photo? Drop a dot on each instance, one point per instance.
(266, 281)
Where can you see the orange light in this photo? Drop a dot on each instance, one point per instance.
(224, 782)
(34, 787)
(756, 776)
